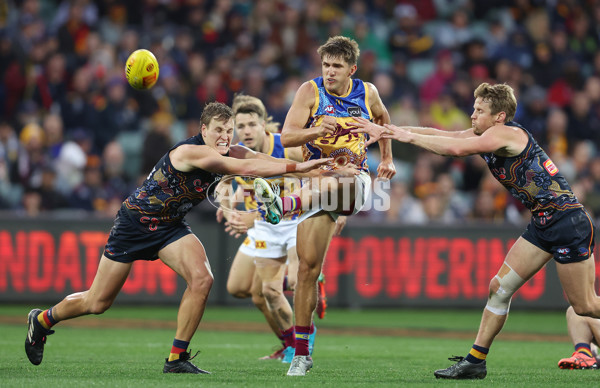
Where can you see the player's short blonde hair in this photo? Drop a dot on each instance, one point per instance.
(249, 104)
(340, 47)
(501, 98)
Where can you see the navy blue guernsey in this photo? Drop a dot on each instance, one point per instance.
(168, 194)
(533, 179)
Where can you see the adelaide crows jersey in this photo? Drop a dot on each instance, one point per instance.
(168, 194)
(344, 147)
(533, 179)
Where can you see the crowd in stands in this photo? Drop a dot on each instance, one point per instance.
(74, 137)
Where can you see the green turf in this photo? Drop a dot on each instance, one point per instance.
(116, 357)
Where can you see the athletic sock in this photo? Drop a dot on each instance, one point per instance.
(288, 337)
(477, 354)
(302, 334)
(290, 203)
(46, 319)
(178, 348)
(584, 348)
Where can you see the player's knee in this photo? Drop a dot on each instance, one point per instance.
(501, 291)
(201, 283)
(258, 299)
(271, 292)
(309, 270)
(237, 292)
(99, 306)
(585, 309)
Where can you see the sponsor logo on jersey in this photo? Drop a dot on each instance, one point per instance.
(260, 244)
(550, 167)
(354, 111)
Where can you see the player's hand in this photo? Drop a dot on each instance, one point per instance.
(236, 226)
(386, 169)
(397, 133)
(312, 164)
(327, 127)
(220, 215)
(374, 131)
(348, 170)
(339, 225)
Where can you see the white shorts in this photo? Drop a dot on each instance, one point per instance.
(362, 188)
(270, 241)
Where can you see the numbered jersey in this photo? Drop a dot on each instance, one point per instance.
(533, 179)
(343, 146)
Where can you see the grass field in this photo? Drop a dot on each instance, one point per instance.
(126, 347)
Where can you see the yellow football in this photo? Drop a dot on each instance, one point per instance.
(141, 69)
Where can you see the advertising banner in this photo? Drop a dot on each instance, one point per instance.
(41, 261)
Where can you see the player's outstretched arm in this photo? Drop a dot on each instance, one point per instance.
(492, 140)
(188, 157)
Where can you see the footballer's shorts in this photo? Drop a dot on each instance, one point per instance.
(270, 241)
(131, 240)
(362, 190)
(569, 237)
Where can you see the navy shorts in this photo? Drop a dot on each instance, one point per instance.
(132, 240)
(570, 236)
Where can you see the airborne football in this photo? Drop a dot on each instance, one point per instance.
(141, 69)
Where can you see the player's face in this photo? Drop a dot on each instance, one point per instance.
(482, 117)
(218, 135)
(251, 130)
(336, 74)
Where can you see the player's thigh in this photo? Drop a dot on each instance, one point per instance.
(313, 238)
(109, 279)
(187, 257)
(577, 280)
(292, 268)
(271, 271)
(241, 273)
(526, 259)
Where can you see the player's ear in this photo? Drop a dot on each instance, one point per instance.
(203, 130)
(353, 70)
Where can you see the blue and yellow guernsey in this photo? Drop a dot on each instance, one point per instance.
(276, 150)
(168, 194)
(532, 178)
(343, 146)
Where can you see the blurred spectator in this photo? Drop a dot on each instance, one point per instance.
(63, 62)
(446, 115)
(456, 32)
(440, 79)
(407, 36)
(583, 124)
(158, 140)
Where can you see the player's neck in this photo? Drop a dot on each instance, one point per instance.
(344, 89)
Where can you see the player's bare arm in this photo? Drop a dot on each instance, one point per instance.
(293, 133)
(294, 153)
(188, 157)
(500, 139)
(386, 168)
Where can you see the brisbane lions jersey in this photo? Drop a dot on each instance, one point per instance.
(344, 147)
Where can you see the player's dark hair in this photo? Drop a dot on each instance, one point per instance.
(249, 104)
(501, 98)
(340, 47)
(217, 111)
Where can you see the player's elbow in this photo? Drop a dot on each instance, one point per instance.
(286, 141)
